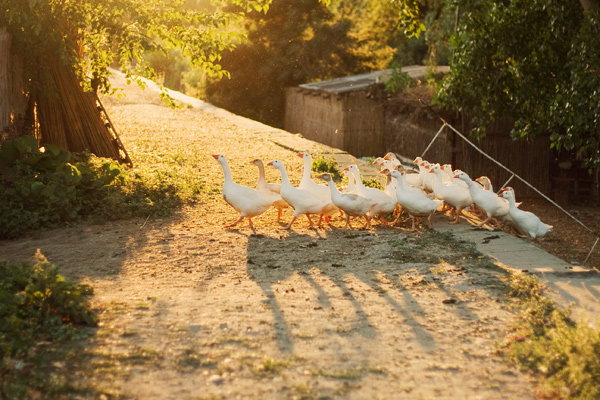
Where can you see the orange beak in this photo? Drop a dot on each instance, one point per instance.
(216, 156)
(270, 163)
(456, 176)
(301, 155)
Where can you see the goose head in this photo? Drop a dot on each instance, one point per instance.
(277, 164)
(462, 175)
(396, 174)
(220, 158)
(325, 177)
(378, 161)
(434, 169)
(507, 193)
(390, 156)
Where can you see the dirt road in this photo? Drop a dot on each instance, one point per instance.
(191, 310)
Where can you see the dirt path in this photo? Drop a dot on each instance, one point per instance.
(191, 310)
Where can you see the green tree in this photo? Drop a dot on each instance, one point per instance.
(297, 41)
(534, 62)
(91, 35)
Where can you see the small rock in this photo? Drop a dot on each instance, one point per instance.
(449, 301)
(215, 379)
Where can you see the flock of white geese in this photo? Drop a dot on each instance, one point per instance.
(435, 188)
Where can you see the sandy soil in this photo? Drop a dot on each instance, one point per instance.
(191, 310)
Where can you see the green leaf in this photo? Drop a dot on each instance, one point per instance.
(8, 154)
(37, 188)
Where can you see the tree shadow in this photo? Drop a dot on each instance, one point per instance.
(340, 259)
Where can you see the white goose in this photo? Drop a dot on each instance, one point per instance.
(351, 186)
(492, 205)
(428, 178)
(412, 179)
(454, 195)
(416, 204)
(247, 201)
(303, 201)
(527, 222)
(485, 182)
(392, 158)
(321, 191)
(307, 182)
(352, 204)
(384, 204)
(270, 189)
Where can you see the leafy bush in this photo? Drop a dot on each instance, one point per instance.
(399, 81)
(373, 183)
(547, 342)
(51, 187)
(322, 164)
(37, 303)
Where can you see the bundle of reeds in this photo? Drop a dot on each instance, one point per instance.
(13, 97)
(73, 118)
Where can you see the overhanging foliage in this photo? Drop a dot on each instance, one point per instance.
(533, 62)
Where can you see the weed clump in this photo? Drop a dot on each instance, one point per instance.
(38, 308)
(37, 303)
(547, 342)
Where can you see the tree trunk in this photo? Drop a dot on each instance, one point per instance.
(13, 98)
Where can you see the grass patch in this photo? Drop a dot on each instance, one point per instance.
(271, 366)
(45, 188)
(563, 354)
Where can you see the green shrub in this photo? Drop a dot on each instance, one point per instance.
(322, 164)
(50, 188)
(398, 81)
(37, 303)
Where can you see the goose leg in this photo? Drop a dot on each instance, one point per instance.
(398, 217)
(312, 225)
(348, 224)
(279, 214)
(236, 222)
(458, 212)
(291, 222)
(485, 221)
(429, 220)
(318, 223)
(368, 223)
